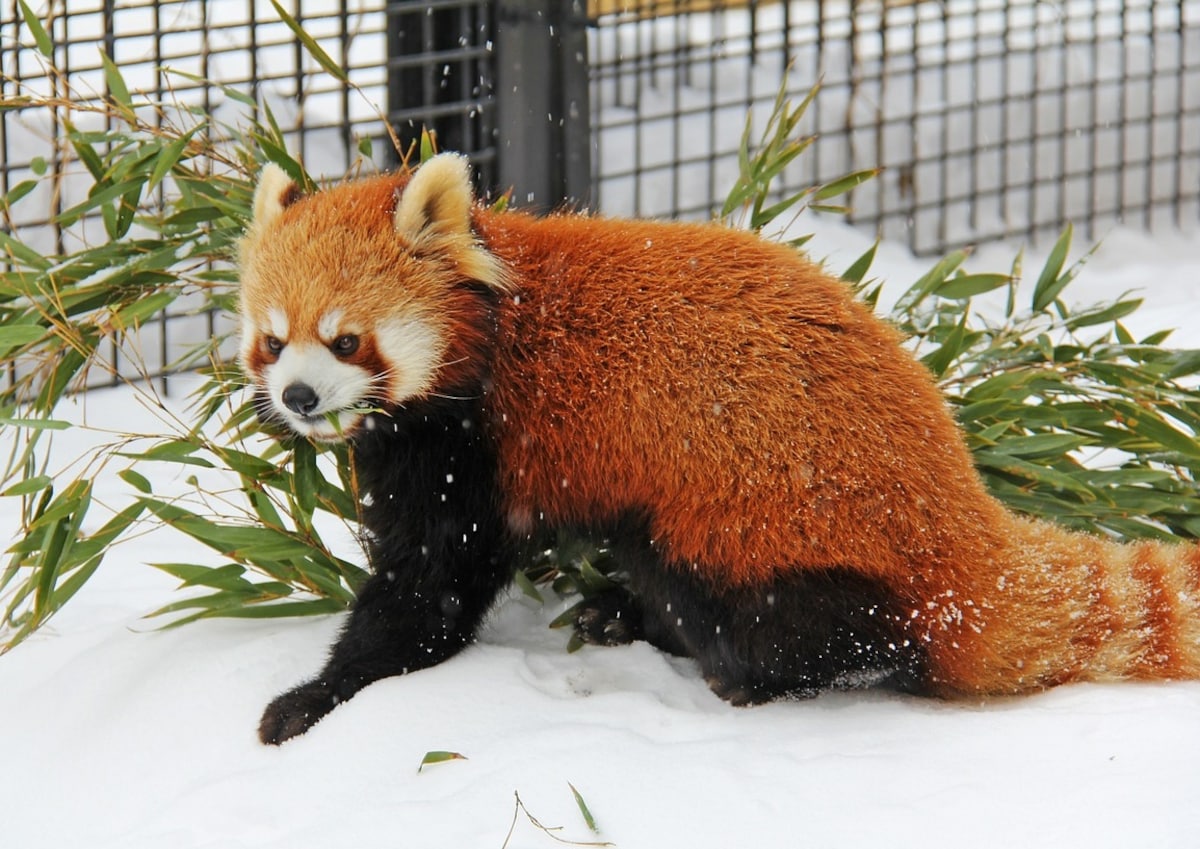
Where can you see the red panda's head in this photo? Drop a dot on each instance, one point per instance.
(361, 297)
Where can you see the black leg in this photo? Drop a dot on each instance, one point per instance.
(803, 633)
(439, 557)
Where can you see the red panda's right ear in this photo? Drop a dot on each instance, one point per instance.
(275, 193)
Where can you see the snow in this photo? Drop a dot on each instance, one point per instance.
(114, 734)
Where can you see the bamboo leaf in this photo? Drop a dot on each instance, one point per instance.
(583, 809)
(439, 758)
(1049, 282)
(526, 586)
(845, 184)
(116, 85)
(310, 44)
(35, 424)
(29, 486)
(40, 37)
(969, 285)
(858, 269)
(933, 278)
(169, 157)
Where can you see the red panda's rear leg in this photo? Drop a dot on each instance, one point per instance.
(804, 633)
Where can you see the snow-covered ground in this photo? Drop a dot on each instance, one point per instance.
(116, 735)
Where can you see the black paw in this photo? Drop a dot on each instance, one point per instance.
(295, 712)
(608, 619)
(742, 693)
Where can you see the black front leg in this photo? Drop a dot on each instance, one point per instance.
(437, 550)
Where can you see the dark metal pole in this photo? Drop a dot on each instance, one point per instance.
(543, 144)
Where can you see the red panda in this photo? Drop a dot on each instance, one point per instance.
(791, 498)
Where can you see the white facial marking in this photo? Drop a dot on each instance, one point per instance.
(339, 387)
(415, 350)
(329, 327)
(277, 323)
(249, 339)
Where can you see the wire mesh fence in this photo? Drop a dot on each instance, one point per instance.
(991, 118)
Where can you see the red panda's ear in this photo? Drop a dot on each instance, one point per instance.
(275, 193)
(436, 201)
(433, 216)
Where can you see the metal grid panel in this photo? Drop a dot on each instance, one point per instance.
(993, 118)
(441, 76)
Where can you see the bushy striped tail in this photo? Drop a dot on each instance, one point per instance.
(1057, 606)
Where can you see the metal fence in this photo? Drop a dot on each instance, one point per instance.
(991, 118)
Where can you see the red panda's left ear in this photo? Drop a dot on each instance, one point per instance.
(275, 192)
(433, 216)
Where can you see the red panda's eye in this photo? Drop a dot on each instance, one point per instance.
(273, 345)
(346, 345)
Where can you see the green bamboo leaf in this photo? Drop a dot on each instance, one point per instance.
(832, 209)
(567, 617)
(952, 347)
(168, 157)
(228, 577)
(930, 281)
(35, 424)
(1183, 363)
(1049, 282)
(65, 589)
(1041, 444)
(117, 88)
(428, 146)
(845, 184)
(1104, 315)
(310, 44)
(29, 486)
(22, 253)
(984, 410)
(1149, 425)
(282, 609)
(172, 451)
(526, 586)
(98, 197)
(439, 758)
(304, 479)
(1157, 338)
(97, 544)
(143, 309)
(991, 459)
(19, 191)
(16, 335)
(583, 809)
(40, 37)
(858, 269)
(761, 218)
(969, 285)
(1125, 477)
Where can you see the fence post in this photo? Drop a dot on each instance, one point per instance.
(543, 135)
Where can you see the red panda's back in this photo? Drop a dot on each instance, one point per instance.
(726, 387)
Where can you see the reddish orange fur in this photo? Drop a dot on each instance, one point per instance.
(739, 396)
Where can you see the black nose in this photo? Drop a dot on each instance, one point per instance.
(300, 398)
